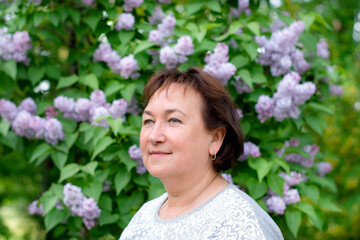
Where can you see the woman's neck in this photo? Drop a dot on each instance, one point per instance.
(184, 197)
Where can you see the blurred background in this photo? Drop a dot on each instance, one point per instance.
(21, 182)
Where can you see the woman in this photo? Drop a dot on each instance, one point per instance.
(190, 133)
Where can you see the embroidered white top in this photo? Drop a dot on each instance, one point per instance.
(231, 214)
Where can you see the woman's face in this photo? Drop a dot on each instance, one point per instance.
(174, 140)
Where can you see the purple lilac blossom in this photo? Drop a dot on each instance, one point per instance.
(128, 66)
(82, 108)
(164, 1)
(276, 204)
(168, 57)
(156, 37)
(99, 112)
(322, 49)
(37, 126)
(250, 149)
(29, 105)
(106, 186)
(88, 2)
(8, 110)
(184, 46)
(293, 179)
(291, 196)
(227, 177)
(35, 208)
(118, 108)
(20, 125)
(53, 131)
(336, 89)
(73, 197)
(280, 52)
(324, 168)
(218, 65)
(64, 104)
(243, 6)
(90, 212)
(135, 153)
(133, 107)
(125, 21)
(239, 113)
(241, 87)
(130, 4)
(97, 98)
(297, 158)
(166, 27)
(264, 108)
(14, 46)
(157, 15)
(50, 112)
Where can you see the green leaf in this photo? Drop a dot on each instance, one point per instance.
(122, 178)
(90, 80)
(90, 167)
(128, 203)
(308, 19)
(315, 122)
(233, 28)
(101, 145)
(59, 159)
(155, 190)
(4, 127)
(309, 41)
(309, 210)
(126, 36)
(69, 171)
(276, 183)
(251, 49)
(282, 163)
(128, 91)
(113, 87)
(329, 205)
(75, 15)
(67, 81)
(321, 20)
(141, 180)
(260, 165)
(311, 192)
(10, 68)
(105, 203)
(297, 150)
(108, 218)
(84, 126)
(93, 20)
(115, 125)
(214, 6)
(240, 61)
(196, 31)
(256, 189)
(48, 201)
(53, 71)
(324, 182)
(321, 107)
(54, 217)
(99, 133)
(293, 221)
(246, 77)
(38, 18)
(93, 190)
(36, 74)
(143, 45)
(125, 158)
(39, 151)
(70, 139)
(259, 78)
(193, 7)
(89, 133)
(54, 18)
(254, 27)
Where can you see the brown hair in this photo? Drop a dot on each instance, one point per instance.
(219, 110)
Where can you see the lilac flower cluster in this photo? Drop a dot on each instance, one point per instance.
(80, 205)
(157, 16)
(280, 51)
(135, 153)
(127, 67)
(324, 168)
(131, 4)
(240, 86)
(243, 6)
(336, 89)
(164, 29)
(250, 149)
(90, 109)
(35, 208)
(125, 21)
(14, 46)
(218, 65)
(297, 158)
(25, 123)
(88, 2)
(227, 177)
(276, 203)
(289, 95)
(322, 49)
(172, 57)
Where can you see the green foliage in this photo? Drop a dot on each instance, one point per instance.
(65, 36)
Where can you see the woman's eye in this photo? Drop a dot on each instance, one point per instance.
(147, 121)
(174, 120)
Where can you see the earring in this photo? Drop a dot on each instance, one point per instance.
(213, 157)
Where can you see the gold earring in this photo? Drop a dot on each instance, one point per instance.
(213, 157)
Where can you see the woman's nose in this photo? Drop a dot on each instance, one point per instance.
(157, 134)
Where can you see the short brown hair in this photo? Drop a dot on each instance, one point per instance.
(219, 110)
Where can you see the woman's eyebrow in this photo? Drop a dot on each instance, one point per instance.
(167, 111)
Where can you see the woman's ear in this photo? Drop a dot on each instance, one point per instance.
(218, 136)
